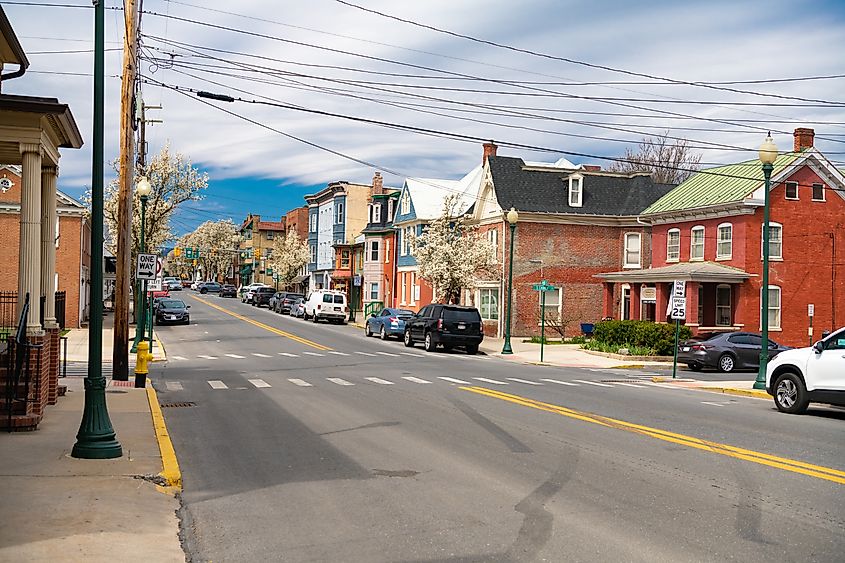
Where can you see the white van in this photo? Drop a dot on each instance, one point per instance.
(328, 304)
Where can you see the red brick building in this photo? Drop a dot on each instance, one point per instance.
(708, 231)
(73, 246)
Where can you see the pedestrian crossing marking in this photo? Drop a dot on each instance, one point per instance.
(217, 384)
(260, 383)
(300, 382)
(559, 382)
(339, 381)
(236, 356)
(288, 354)
(313, 354)
(335, 353)
(630, 385)
(204, 357)
(365, 354)
(379, 380)
(180, 358)
(388, 354)
(493, 381)
(453, 380)
(411, 354)
(173, 386)
(415, 379)
(523, 381)
(259, 355)
(596, 383)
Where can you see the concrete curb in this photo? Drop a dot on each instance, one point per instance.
(741, 392)
(160, 347)
(656, 359)
(170, 466)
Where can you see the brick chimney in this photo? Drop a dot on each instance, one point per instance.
(489, 150)
(378, 184)
(803, 139)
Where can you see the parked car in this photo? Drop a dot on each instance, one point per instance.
(388, 322)
(277, 296)
(210, 287)
(726, 351)
(172, 284)
(261, 296)
(160, 293)
(297, 308)
(287, 299)
(194, 284)
(446, 325)
(327, 304)
(172, 311)
(246, 291)
(228, 290)
(815, 374)
(187, 283)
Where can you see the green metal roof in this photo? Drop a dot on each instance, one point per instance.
(717, 186)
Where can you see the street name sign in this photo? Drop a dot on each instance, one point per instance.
(146, 267)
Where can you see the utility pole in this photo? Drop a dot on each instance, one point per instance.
(120, 354)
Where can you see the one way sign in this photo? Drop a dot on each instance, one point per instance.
(146, 269)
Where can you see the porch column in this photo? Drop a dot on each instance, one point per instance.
(608, 301)
(692, 304)
(662, 290)
(29, 256)
(48, 243)
(636, 306)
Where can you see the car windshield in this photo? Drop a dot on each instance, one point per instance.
(400, 312)
(462, 315)
(172, 304)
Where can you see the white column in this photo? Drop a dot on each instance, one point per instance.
(48, 243)
(29, 255)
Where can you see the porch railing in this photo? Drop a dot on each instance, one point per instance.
(19, 368)
(373, 307)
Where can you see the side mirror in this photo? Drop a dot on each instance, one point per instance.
(372, 314)
(818, 347)
(825, 334)
(187, 306)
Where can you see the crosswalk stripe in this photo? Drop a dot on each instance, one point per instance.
(523, 381)
(236, 356)
(205, 357)
(288, 354)
(453, 380)
(257, 355)
(379, 380)
(314, 354)
(300, 382)
(630, 385)
(339, 381)
(559, 382)
(338, 353)
(388, 354)
(415, 379)
(411, 354)
(596, 383)
(259, 383)
(365, 354)
(173, 386)
(180, 358)
(216, 384)
(485, 380)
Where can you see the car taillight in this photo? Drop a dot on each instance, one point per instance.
(439, 324)
(318, 306)
(699, 348)
(394, 319)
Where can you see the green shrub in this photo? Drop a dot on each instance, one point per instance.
(657, 336)
(633, 349)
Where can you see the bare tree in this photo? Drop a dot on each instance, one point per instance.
(669, 161)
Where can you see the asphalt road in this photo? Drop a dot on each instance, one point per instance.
(313, 443)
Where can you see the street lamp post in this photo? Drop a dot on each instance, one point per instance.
(512, 217)
(96, 438)
(768, 153)
(143, 188)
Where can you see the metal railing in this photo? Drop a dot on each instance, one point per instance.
(372, 307)
(9, 308)
(19, 368)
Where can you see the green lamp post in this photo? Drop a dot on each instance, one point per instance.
(512, 217)
(143, 188)
(768, 153)
(96, 438)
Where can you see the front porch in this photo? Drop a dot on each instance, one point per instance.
(714, 293)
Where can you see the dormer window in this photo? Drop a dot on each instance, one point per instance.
(377, 213)
(406, 203)
(575, 191)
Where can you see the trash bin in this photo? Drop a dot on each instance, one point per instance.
(587, 329)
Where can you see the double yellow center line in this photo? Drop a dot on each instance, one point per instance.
(817, 471)
(268, 328)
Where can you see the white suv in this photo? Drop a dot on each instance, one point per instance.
(796, 378)
(326, 304)
(246, 292)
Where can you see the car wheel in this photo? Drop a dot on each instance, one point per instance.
(694, 367)
(409, 342)
(203, 291)
(429, 344)
(790, 394)
(727, 363)
(367, 332)
(382, 333)
(472, 349)
(314, 318)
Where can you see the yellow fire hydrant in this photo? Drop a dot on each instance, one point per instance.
(142, 359)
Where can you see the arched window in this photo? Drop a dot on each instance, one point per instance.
(775, 241)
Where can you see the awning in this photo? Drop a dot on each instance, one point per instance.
(687, 271)
(300, 279)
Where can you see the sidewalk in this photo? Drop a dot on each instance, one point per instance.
(562, 355)
(744, 387)
(57, 508)
(77, 344)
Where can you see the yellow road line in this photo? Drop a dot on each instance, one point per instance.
(170, 466)
(269, 328)
(795, 466)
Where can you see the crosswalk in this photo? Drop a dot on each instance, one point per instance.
(217, 384)
(309, 355)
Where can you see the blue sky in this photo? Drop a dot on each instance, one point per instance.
(254, 169)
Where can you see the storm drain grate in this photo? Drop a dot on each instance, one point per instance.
(178, 404)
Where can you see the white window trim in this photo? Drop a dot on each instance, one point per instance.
(376, 213)
(786, 191)
(703, 242)
(413, 288)
(559, 291)
(777, 327)
(493, 238)
(720, 241)
(669, 233)
(778, 258)
(338, 219)
(387, 251)
(495, 292)
(824, 192)
(375, 246)
(716, 303)
(378, 291)
(390, 205)
(625, 263)
(579, 202)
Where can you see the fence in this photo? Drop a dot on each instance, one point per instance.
(9, 310)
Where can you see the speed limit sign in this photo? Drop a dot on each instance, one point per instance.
(679, 308)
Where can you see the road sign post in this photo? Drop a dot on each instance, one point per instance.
(678, 312)
(811, 309)
(543, 287)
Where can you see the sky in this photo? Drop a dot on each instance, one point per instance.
(329, 57)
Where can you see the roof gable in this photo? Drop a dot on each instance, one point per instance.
(427, 195)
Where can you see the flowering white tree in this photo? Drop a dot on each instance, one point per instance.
(290, 254)
(451, 254)
(217, 242)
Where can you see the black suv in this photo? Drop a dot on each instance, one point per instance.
(449, 325)
(262, 296)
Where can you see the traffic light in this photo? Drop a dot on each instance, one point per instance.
(177, 251)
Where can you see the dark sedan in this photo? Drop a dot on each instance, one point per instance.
(262, 296)
(388, 322)
(172, 311)
(725, 351)
(228, 290)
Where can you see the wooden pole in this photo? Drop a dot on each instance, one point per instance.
(120, 354)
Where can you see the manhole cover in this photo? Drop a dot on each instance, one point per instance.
(178, 405)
